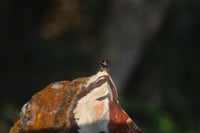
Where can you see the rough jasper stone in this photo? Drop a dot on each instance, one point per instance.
(84, 105)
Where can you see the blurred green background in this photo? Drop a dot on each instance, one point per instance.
(153, 46)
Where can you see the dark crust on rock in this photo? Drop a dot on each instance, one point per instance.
(102, 98)
(92, 86)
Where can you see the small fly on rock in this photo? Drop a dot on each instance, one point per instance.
(105, 63)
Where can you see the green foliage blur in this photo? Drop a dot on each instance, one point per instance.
(47, 41)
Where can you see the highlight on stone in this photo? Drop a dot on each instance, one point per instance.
(83, 105)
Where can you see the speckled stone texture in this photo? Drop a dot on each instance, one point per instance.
(84, 105)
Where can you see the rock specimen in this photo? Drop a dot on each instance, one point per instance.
(84, 105)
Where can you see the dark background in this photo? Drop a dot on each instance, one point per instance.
(153, 47)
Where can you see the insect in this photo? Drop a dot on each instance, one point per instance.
(105, 63)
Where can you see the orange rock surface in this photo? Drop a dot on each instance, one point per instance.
(84, 105)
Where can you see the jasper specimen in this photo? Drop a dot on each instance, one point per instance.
(84, 105)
